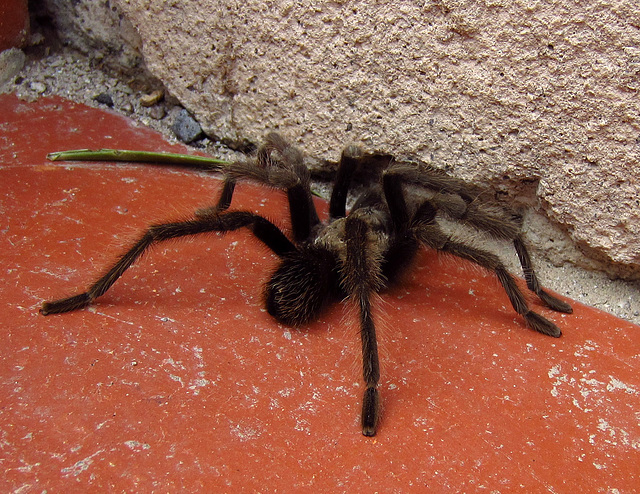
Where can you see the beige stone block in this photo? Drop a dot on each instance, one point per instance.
(539, 99)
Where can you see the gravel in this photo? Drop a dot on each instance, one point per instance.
(73, 76)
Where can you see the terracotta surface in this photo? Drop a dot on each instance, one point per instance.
(14, 23)
(178, 379)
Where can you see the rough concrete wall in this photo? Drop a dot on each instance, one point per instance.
(538, 94)
(98, 29)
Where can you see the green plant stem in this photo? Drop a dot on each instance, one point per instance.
(201, 162)
(148, 157)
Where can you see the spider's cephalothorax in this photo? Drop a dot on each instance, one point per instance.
(352, 255)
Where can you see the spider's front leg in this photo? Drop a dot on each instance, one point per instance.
(224, 201)
(281, 166)
(263, 229)
(362, 276)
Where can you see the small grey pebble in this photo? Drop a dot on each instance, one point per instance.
(186, 128)
(157, 112)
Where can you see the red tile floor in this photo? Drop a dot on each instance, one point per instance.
(178, 379)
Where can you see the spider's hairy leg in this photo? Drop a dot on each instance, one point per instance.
(287, 171)
(361, 277)
(232, 173)
(224, 201)
(278, 165)
(394, 195)
(468, 204)
(405, 245)
(346, 168)
(532, 280)
(500, 223)
(287, 154)
(434, 179)
(264, 230)
(434, 237)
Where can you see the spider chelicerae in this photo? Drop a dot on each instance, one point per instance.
(350, 255)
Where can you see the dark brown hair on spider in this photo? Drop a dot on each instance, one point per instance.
(355, 254)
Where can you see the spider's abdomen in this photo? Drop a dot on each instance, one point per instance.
(301, 285)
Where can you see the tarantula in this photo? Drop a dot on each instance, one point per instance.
(351, 255)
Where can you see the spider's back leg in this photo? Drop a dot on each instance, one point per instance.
(463, 203)
(432, 236)
(424, 226)
(532, 279)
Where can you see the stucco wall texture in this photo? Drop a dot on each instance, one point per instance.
(541, 96)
